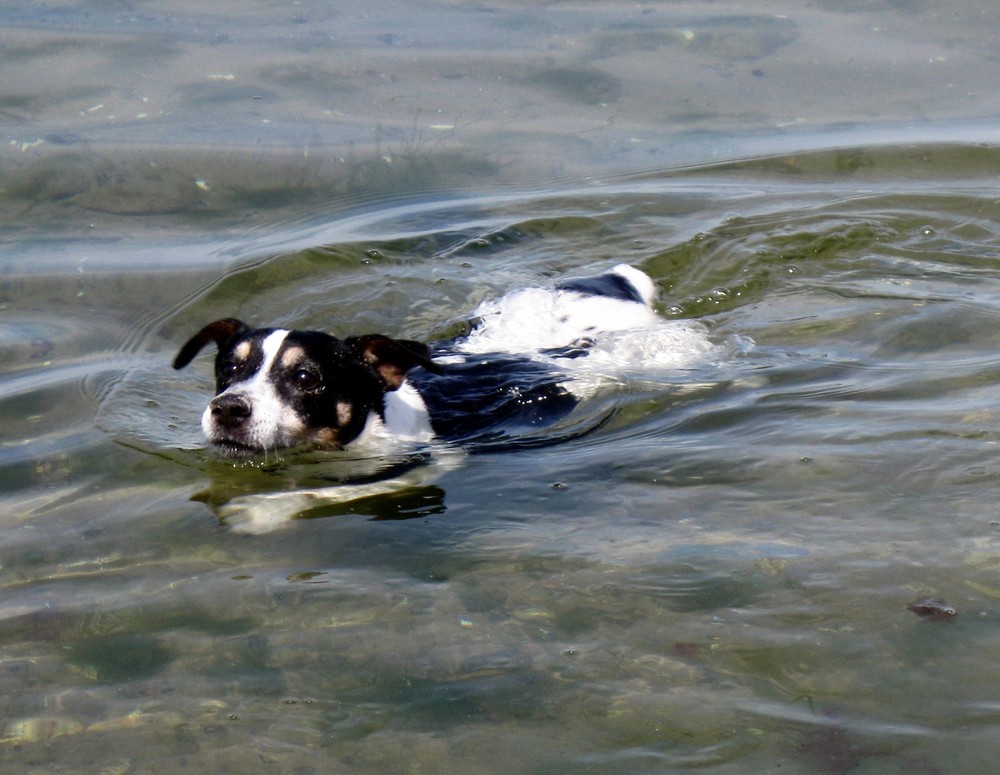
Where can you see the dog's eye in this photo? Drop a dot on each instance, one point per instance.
(306, 380)
(228, 369)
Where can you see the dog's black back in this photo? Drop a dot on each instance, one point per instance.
(493, 396)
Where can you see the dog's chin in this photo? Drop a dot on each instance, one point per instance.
(237, 450)
(243, 447)
(241, 451)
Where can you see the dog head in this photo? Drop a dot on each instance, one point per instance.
(278, 388)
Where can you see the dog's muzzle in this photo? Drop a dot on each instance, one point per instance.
(230, 411)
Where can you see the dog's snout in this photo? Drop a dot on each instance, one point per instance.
(230, 411)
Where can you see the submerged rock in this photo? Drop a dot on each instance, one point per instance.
(933, 608)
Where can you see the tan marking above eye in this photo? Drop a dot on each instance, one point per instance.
(242, 351)
(291, 356)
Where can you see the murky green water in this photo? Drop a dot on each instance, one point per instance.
(731, 574)
(718, 577)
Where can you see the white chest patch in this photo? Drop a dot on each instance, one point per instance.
(406, 414)
(406, 422)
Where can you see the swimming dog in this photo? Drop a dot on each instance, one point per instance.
(279, 388)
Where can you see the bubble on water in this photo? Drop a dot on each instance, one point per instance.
(374, 254)
(927, 231)
(792, 269)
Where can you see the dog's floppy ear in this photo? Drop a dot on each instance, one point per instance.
(222, 332)
(392, 358)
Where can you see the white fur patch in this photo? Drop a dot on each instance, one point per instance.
(639, 280)
(406, 422)
(406, 414)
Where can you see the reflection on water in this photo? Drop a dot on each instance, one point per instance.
(721, 575)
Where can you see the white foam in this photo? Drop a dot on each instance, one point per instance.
(621, 334)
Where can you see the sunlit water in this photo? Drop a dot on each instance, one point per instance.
(716, 575)
(778, 556)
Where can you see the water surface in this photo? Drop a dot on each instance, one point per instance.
(734, 572)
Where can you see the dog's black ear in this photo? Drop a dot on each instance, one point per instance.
(222, 332)
(392, 358)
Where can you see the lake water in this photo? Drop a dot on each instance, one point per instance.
(783, 558)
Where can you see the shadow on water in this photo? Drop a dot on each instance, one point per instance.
(716, 574)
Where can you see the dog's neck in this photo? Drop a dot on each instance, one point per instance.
(404, 419)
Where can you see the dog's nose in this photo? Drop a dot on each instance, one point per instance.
(230, 411)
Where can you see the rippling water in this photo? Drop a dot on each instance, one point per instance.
(782, 557)
(717, 577)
